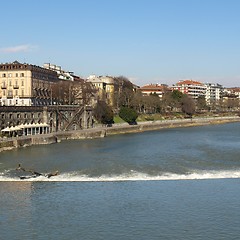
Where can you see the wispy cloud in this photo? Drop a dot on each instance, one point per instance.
(19, 48)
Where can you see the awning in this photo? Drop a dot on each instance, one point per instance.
(16, 128)
(7, 129)
(22, 126)
(11, 129)
(33, 125)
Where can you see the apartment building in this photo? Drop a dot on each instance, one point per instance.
(190, 87)
(214, 92)
(24, 84)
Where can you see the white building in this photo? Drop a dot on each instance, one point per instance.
(191, 88)
(62, 75)
(214, 92)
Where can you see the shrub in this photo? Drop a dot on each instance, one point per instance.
(103, 113)
(129, 115)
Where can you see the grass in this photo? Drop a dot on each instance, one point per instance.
(117, 119)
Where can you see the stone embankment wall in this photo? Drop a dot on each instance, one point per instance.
(100, 132)
(8, 144)
(157, 125)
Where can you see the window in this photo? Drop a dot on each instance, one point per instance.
(16, 75)
(9, 75)
(10, 82)
(22, 83)
(21, 74)
(4, 75)
(22, 92)
(4, 93)
(10, 93)
(16, 92)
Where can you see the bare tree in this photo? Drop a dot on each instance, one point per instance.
(73, 93)
(123, 92)
(188, 105)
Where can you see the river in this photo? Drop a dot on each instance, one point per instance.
(180, 183)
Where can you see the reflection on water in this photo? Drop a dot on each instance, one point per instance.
(135, 210)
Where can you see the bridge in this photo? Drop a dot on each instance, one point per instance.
(56, 117)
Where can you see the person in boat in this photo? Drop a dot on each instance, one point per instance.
(52, 174)
(37, 174)
(20, 168)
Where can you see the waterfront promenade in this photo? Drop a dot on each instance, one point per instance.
(100, 131)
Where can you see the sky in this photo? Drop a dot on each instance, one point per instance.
(147, 41)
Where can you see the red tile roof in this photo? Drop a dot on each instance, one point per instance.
(152, 87)
(189, 82)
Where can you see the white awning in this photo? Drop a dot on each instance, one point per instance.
(7, 129)
(33, 125)
(11, 129)
(16, 128)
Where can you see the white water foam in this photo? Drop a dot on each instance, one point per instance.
(133, 176)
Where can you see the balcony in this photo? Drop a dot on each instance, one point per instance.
(4, 86)
(16, 86)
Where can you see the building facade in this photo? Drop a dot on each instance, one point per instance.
(192, 88)
(32, 120)
(158, 89)
(214, 92)
(24, 84)
(105, 86)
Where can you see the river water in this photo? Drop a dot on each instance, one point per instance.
(181, 183)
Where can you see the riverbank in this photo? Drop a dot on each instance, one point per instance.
(100, 132)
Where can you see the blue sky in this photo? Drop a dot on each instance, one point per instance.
(148, 41)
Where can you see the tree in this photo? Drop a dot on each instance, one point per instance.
(60, 92)
(103, 113)
(138, 102)
(84, 92)
(124, 92)
(172, 100)
(72, 92)
(188, 105)
(129, 115)
(201, 103)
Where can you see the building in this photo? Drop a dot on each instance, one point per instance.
(191, 88)
(62, 74)
(32, 120)
(234, 92)
(24, 84)
(158, 89)
(214, 93)
(105, 86)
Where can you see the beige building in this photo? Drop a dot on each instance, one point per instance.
(24, 84)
